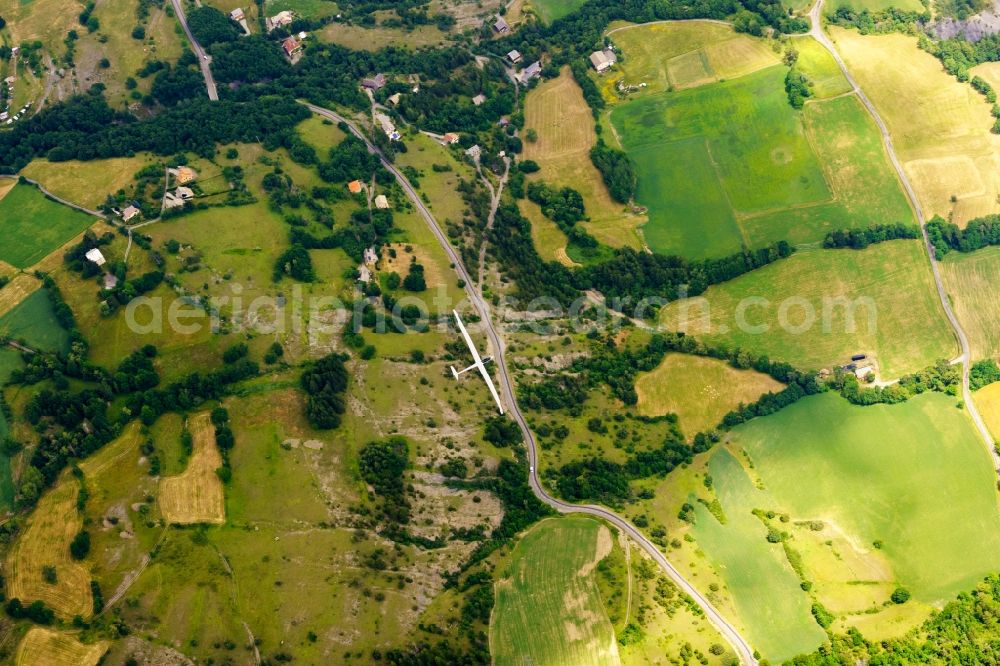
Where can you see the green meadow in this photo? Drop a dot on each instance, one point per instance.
(550, 10)
(34, 322)
(819, 307)
(548, 606)
(33, 226)
(731, 164)
(905, 496)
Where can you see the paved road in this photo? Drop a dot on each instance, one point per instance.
(203, 59)
(815, 18)
(731, 634)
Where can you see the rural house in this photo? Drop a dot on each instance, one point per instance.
(237, 14)
(376, 82)
(500, 26)
(479, 99)
(531, 71)
(449, 138)
(183, 174)
(291, 46)
(354, 187)
(474, 152)
(279, 20)
(603, 60)
(514, 56)
(129, 213)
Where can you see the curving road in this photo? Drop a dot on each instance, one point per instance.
(731, 634)
(816, 31)
(203, 59)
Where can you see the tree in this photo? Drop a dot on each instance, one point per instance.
(414, 280)
(80, 545)
(210, 26)
(900, 595)
(325, 383)
(138, 32)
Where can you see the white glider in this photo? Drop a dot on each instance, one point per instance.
(479, 363)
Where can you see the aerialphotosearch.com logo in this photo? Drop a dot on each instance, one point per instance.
(293, 311)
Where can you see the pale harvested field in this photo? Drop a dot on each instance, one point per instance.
(988, 401)
(699, 390)
(196, 496)
(46, 647)
(19, 288)
(86, 183)
(45, 541)
(565, 126)
(971, 281)
(685, 54)
(940, 127)
(45, 20)
(401, 263)
(6, 185)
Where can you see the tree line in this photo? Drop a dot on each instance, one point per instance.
(977, 234)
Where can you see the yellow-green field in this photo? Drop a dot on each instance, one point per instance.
(86, 183)
(41, 646)
(820, 67)
(557, 111)
(940, 127)
(699, 390)
(359, 38)
(44, 20)
(800, 310)
(988, 402)
(683, 54)
(971, 281)
(548, 607)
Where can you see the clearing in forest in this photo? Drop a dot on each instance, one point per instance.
(196, 496)
(699, 390)
(54, 648)
(548, 606)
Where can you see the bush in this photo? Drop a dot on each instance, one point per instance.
(80, 545)
(325, 383)
(900, 595)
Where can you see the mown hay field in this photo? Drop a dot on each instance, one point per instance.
(557, 111)
(86, 183)
(44, 20)
(970, 281)
(53, 648)
(988, 401)
(939, 126)
(548, 607)
(19, 288)
(684, 54)
(699, 390)
(45, 542)
(33, 226)
(817, 64)
(196, 495)
(884, 483)
(550, 10)
(731, 165)
(834, 303)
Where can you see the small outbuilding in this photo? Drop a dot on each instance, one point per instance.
(376, 82)
(531, 71)
(381, 202)
(94, 255)
(514, 56)
(354, 187)
(500, 26)
(603, 60)
(479, 99)
(184, 193)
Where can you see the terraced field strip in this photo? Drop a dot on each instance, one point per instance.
(548, 607)
(196, 496)
(45, 542)
(47, 647)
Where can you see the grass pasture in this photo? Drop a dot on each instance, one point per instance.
(359, 38)
(732, 164)
(970, 281)
(19, 288)
(196, 496)
(940, 127)
(557, 111)
(699, 390)
(927, 475)
(44, 20)
(550, 10)
(548, 608)
(888, 287)
(32, 320)
(86, 183)
(53, 648)
(683, 54)
(45, 542)
(817, 64)
(33, 226)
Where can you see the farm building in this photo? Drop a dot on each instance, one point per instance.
(95, 256)
(531, 71)
(387, 126)
(381, 202)
(603, 60)
(291, 46)
(184, 193)
(863, 371)
(514, 56)
(370, 257)
(479, 99)
(449, 138)
(130, 213)
(394, 99)
(376, 82)
(183, 174)
(354, 187)
(500, 26)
